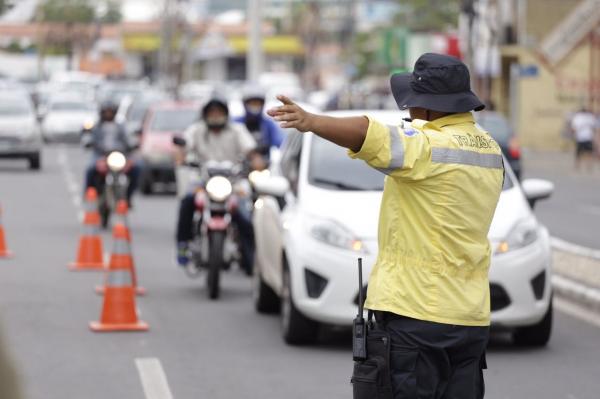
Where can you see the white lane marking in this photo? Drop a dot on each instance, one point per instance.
(575, 249)
(72, 185)
(154, 379)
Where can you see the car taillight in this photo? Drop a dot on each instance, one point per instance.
(514, 150)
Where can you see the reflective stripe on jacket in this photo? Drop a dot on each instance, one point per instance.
(444, 181)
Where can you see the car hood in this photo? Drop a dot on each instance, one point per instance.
(356, 210)
(161, 142)
(359, 210)
(16, 125)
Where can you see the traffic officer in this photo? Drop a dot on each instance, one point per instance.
(429, 287)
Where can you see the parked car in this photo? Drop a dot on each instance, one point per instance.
(318, 212)
(20, 135)
(499, 128)
(66, 115)
(163, 121)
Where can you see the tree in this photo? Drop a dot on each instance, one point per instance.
(113, 14)
(68, 20)
(429, 15)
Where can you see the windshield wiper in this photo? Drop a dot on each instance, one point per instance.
(338, 184)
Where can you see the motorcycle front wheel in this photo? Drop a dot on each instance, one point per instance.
(216, 241)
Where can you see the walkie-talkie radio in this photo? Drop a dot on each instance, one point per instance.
(359, 326)
(371, 378)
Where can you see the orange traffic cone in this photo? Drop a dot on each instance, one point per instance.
(4, 251)
(118, 310)
(89, 254)
(122, 249)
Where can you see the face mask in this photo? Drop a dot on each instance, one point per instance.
(254, 110)
(216, 123)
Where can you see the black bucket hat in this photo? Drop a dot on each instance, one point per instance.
(438, 83)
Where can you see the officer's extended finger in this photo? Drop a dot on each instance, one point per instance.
(285, 100)
(286, 117)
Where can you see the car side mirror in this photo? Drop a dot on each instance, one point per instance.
(277, 186)
(179, 141)
(537, 189)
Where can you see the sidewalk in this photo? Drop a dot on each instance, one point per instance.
(577, 278)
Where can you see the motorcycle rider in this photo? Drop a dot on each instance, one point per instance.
(264, 130)
(216, 138)
(104, 137)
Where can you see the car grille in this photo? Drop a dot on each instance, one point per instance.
(499, 297)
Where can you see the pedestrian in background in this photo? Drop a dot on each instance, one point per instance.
(429, 287)
(584, 126)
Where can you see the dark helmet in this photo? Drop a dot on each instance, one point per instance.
(215, 100)
(108, 106)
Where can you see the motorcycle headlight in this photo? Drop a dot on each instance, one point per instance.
(88, 124)
(116, 161)
(219, 188)
(333, 233)
(524, 233)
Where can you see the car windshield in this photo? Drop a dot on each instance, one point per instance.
(70, 106)
(12, 107)
(497, 126)
(331, 168)
(173, 120)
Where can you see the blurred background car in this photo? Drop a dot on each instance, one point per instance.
(311, 227)
(163, 121)
(132, 109)
(116, 90)
(20, 135)
(499, 128)
(66, 115)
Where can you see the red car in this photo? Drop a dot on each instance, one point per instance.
(163, 121)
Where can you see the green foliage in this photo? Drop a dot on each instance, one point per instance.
(113, 13)
(428, 15)
(68, 11)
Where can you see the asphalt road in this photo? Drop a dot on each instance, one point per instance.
(573, 211)
(206, 349)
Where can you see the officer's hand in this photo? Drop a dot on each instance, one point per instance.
(291, 115)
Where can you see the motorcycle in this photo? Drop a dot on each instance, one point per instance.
(217, 241)
(111, 183)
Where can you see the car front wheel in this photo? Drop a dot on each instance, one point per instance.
(296, 328)
(537, 334)
(35, 162)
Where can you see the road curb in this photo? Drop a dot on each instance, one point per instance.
(575, 291)
(574, 249)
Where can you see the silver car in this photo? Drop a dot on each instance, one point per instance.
(20, 135)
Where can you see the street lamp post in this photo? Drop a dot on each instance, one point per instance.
(254, 57)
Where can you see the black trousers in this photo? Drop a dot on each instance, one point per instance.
(433, 360)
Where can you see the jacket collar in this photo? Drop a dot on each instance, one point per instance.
(438, 124)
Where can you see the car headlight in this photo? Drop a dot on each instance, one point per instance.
(116, 161)
(333, 233)
(219, 188)
(524, 233)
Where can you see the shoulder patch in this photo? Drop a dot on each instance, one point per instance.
(410, 132)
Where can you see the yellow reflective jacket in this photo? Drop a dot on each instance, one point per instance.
(444, 179)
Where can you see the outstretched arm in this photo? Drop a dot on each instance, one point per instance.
(347, 132)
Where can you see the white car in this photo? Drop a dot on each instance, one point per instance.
(65, 118)
(20, 135)
(318, 212)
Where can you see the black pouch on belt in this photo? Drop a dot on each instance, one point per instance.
(371, 378)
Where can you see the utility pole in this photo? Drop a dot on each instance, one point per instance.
(254, 57)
